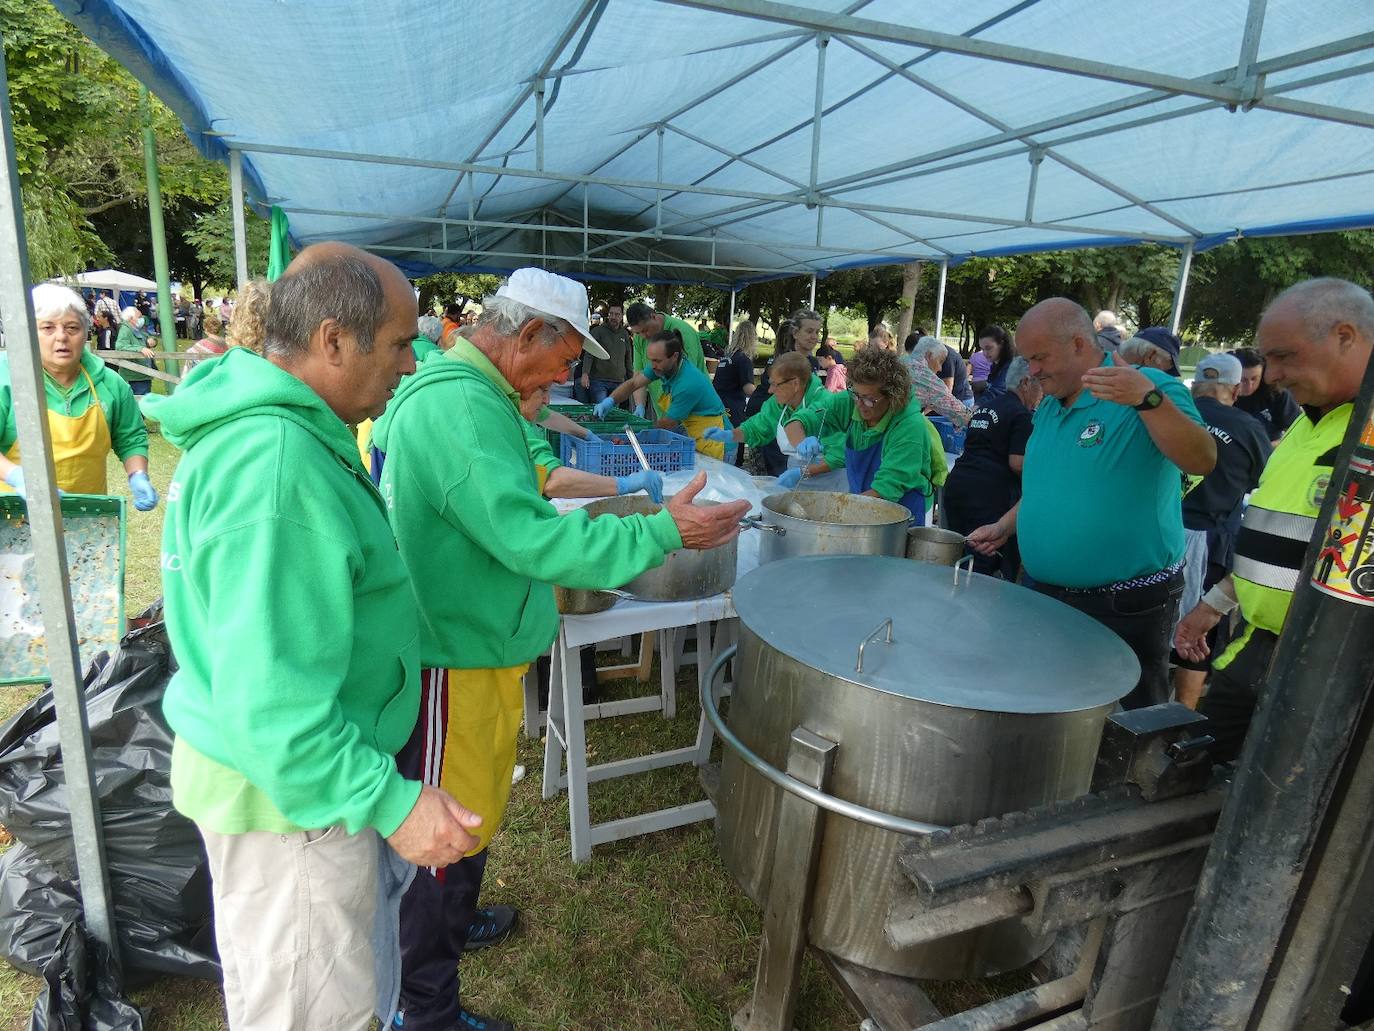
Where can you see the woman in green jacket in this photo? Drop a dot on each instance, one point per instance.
(888, 449)
(132, 338)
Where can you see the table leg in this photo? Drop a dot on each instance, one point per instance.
(579, 811)
(667, 674)
(555, 723)
(531, 685)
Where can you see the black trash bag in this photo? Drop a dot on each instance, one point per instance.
(82, 989)
(158, 873)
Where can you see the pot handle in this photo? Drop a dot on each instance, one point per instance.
(756, 523)
(859, 668)
(775, 776)
(966, 564)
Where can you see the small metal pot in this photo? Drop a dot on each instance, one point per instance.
(932, 544)
(579, 601)
(685, 574)
(830, 523)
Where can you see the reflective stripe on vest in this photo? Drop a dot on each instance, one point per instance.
(1281, 518)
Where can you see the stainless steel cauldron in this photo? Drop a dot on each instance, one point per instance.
(933, 544)
(830, 523)
(685, 574)
(986, 698)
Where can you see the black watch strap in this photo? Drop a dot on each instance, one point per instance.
(1150, 401)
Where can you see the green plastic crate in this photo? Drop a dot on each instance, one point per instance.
(95, 535)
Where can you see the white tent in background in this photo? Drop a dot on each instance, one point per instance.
(108, 279)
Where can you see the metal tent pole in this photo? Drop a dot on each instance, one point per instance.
(1181, 288)
(1306, 731)
(240, 230)
(731, 327)
(812, 304)
(45, 525)
(940, 298)
(165, 317)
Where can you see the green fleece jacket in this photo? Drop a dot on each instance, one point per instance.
(130, 339)
(128, 434)
(482, 546)
(761, 428)
(288, 608)
(908, 462)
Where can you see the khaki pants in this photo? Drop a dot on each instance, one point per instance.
(293, 920)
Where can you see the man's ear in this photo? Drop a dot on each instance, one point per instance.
(328, 342)
(531, 332)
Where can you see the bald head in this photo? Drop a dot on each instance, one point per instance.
(1316, 339)
(1058, 341)
(330, 282)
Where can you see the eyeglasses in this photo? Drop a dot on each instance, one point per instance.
(861, 399)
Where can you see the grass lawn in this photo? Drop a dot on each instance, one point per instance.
(652, 933)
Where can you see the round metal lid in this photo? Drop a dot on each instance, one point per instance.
(984, 644)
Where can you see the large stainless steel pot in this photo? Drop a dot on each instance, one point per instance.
(830, 523)
(685, 574)
(941, 727)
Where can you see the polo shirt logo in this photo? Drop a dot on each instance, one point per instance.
(1091, 435)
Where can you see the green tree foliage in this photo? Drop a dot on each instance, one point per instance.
(444, 288)
(1230, 285)
(211, 236)
(78, 144)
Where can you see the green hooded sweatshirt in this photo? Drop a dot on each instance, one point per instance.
(482, 546)
(288, 608)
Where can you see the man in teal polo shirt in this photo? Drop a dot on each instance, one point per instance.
(1100, 519)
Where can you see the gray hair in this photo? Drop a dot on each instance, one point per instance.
(1018, 371)
(52, 300)
(1103, 319)
(1213, 388)
(1321, 304)
(342, 287)
(507, 316)
(1136, 350)
(129, 313)
(431, 326)
(927, 346)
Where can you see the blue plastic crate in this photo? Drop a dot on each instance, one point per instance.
(614, 456)
(951, 438)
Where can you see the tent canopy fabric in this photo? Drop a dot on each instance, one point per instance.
(108, 279)
(723, 141)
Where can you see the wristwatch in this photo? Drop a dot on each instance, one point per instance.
(1150, 401)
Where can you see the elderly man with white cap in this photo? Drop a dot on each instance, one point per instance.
(482, 547)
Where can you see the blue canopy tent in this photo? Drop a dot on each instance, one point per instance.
(724, 141)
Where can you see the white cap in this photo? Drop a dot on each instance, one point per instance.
(558, 296)
(1219, 368)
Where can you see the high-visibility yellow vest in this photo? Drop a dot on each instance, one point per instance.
(1281, 519)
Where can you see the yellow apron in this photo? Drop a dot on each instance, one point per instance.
(365, 442)
(80, 444)
(485, 707)
(696, 426)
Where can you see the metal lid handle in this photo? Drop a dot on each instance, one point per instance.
(888, 640)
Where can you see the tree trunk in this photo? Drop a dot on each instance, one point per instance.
(911, 283)
(1145, 312)
(663, 298)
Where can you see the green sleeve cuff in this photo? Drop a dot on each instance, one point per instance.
(398, 799)
(665, 530)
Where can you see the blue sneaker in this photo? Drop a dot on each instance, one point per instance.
(472, 1022)
(491, 926)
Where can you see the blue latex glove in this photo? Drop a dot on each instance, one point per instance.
(641, 411)
(592, 438)
(15, 478)
(789, 479)
(810, 451)
(603, 407)
(718, 434)
(650, 481)
(145, 498)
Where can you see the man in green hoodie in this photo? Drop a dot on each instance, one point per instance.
(295, 632)
(483, 548)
